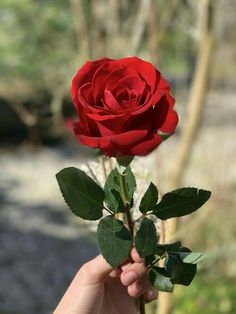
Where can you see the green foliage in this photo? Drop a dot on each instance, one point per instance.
(112, 189)
(123, 162)
(185, 254)
(179, 264)
(191, 258)
(162, 249)
(209, 294)
(146, 238)
(115, 202)
(36, 40)
(180, 272)
(149, 199)
(181, 202)
(159, 278)
(130, 183)
(114, 240)
(83, 195)
(112, 185)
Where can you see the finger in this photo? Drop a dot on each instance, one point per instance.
(115, 273)
(150, 294)
(135, 272)
(125, 265)
(138, 288)
(135, 256)
(90, 275)
(94, 271)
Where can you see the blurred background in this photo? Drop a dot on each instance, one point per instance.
(42, 45)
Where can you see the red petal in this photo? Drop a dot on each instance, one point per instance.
(145, 147)
(85, 75)
(111, 144)
(100, 76)
(170, 123)
(145, 69)
(110, 102)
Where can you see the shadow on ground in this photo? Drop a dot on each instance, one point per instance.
(35, 269)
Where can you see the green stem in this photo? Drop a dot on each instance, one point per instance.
(154, 262)
(141, 305)
(125, 197)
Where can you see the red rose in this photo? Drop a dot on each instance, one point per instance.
(124, 106)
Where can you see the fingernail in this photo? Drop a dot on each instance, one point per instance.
(130, 277)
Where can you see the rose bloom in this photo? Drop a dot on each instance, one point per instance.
(124, 106)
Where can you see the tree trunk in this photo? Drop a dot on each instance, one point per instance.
(191, 127)
(29, 119)
(158, 23)
(81, 11)
(57, 114)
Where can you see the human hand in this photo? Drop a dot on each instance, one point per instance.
(99, 289)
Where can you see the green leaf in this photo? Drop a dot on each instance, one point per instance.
(115, 241)
(191, 258)
(149, 199)
(159, 279)
(146, 238)
(123, 162)
(150, 259)
(181, 202)
(113, 183)
(161, 249)
(120, 207)
(181, 273)
(131, 183)
(83, 195)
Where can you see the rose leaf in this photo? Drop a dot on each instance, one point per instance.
(146, 238)
(181, 202)
(123, 162)
(114, 240)
(181, 273)
(159, 278)
(149, 199)
(83, 195)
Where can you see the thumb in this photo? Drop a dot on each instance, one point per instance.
(85, 288)
(95, 271)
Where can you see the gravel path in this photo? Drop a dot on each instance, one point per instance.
(42, 244)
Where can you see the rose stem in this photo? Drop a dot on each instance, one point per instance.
(141, 305)
(124, 195)
(125, 198)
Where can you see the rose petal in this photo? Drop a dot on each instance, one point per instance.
(110, 101)
(122, 94)
(85, 75)
(100, 76)
(135, 83)
(170, 123)
(153, 100)
(85, 96)
(114, 78)
(110, 144)
(163, 85)
(146, 70)
(147, 145)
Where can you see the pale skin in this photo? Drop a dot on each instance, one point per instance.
(99, 289)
